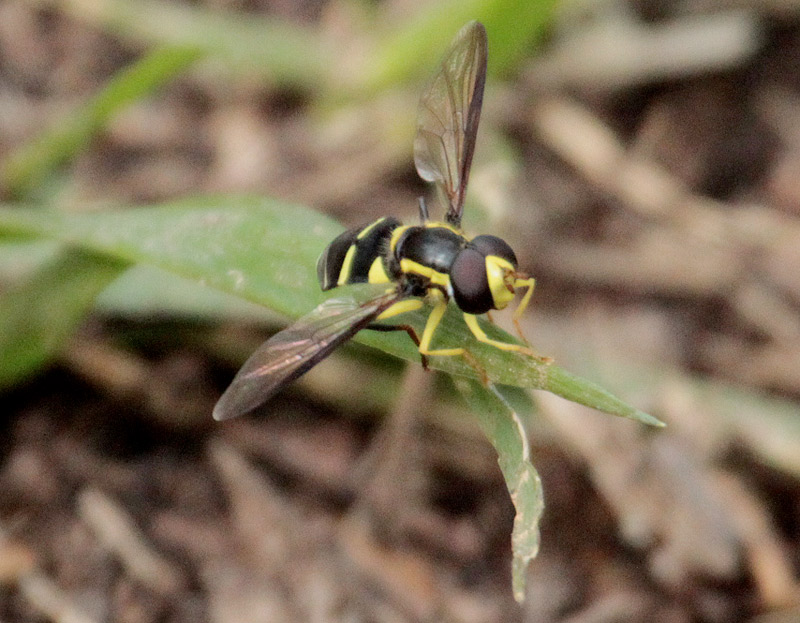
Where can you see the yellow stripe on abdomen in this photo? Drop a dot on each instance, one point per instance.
(347, 266)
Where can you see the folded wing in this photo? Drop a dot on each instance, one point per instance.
(449, 112)
(293, 351)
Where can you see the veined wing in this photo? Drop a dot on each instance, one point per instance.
(293, 351)
(447, 122)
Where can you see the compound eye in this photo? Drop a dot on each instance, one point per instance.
(492, 245)
(470, 283)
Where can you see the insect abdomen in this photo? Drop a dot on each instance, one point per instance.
(356, 256)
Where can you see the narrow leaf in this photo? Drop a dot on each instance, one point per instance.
(27, 168)
(265, 251)
(40, 314)
(503, 427)
(414, 47)
(577, 389)
(148, 292)
(247, 44)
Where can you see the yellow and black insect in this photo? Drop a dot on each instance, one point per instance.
(432, 262)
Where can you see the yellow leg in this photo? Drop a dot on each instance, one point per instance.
(472, 323)
(427, 335)
(401, 307)
(430, 328)
(529, 283)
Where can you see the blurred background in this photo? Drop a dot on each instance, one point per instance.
(642, 158)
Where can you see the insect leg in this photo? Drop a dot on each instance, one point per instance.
(430, 328)
(528, 283)
(401, 327)
(427, 335)
(401, 307)
(472, 323)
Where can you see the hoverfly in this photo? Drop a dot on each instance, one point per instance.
(432, 262)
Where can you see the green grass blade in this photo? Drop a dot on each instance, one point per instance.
(146, 292)
(504, 429)
(27, 168)
(519, 25)
(265, 251)
(414, 47)
(577, 389)
(39, 315)
(245, 44)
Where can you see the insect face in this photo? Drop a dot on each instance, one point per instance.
(500, 274)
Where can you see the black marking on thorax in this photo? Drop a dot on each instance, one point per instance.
(432, 246)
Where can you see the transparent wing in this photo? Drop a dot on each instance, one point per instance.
(292, 352)
(447, 122)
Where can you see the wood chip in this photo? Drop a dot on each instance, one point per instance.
(117, 531)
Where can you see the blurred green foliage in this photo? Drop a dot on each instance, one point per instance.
(25, 171)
